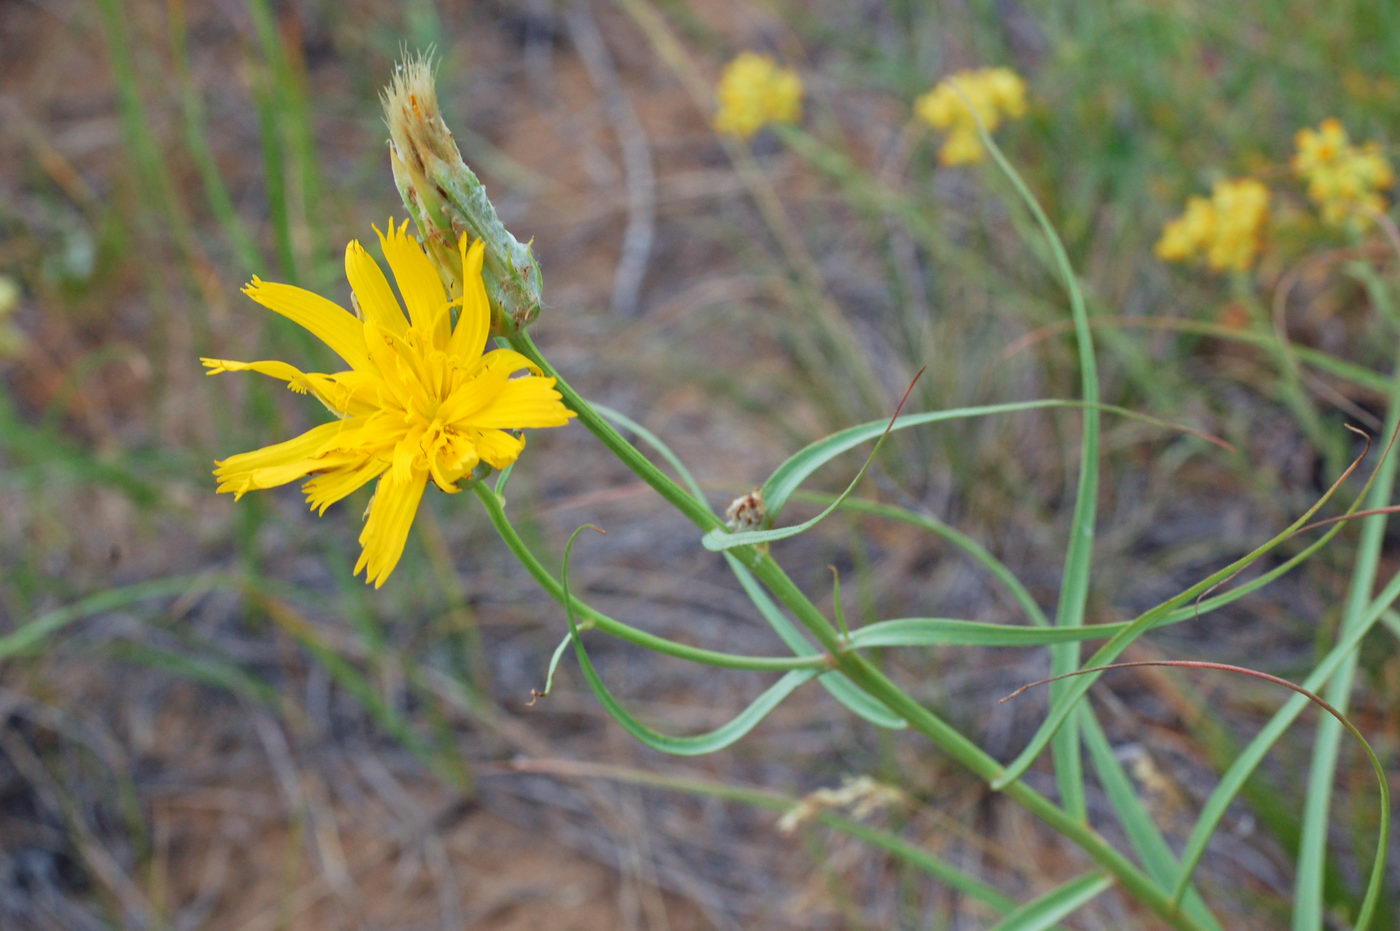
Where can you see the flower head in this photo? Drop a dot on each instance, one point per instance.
(994, 94)
(753, 92)
(1225, 229)
(1344, 180)
(422, 399)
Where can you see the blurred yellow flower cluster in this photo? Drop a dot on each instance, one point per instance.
(1225, 228)
(994, 93)
(11, 339)
(1344, 180)
(753, 92)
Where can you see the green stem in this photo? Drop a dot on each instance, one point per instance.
(855, 666)
(1312, 848)
(496, 513)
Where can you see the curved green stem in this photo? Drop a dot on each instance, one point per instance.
(496, 513)
(856, 667)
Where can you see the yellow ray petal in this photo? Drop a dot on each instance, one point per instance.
(277, 464)
(524, 402)
(372, 291)
(474, 322)
(327, 488)
(328, 321)
(483, 382)
(344, 393)
(497, 447)
(418, 282)
(386, 529)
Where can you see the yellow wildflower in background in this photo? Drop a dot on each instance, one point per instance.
(753, 92)
(1241, 209)
(995, 94)
(421, 400)
(12, 341)
(1344, 180)
(1189, 233)
(1225, 229)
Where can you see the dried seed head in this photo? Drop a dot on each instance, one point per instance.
(747, 512)
(859, 796)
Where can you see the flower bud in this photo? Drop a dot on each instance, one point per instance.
(445, 197)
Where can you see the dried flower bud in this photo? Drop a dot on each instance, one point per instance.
(445, 198)
(747, 512)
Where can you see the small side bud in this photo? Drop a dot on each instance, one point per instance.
(747, 512)
(445, 197)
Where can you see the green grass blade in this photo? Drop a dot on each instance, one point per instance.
(897, 846)
(1148, 842)
(979, 553)
(1249, 758)
(1045, 911)
(656, 443)
(1060, 709)
(36, 632)
(836, 684)
(717, 739)
(720, 539)
(1079, 556)
(495, 512)
(790, 475)
(1308, 903)
(944, 631)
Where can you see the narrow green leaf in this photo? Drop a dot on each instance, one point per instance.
(837, 684)
(895, 845)
(720, 539)
(553, 665)
(1249, 758)
(1060, 708)
(945, 631)
(717, 739)
(34, 633)
(1079, 554)
(656, 443)
(1146, 839)
(796, 469)
(962, 541)
(840, 688)
(1308, 904)
(1050, 908)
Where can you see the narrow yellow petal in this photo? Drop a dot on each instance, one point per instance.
(386, 529)
(282, 371)
(483, 382)
(418, 282)
(372, 291)
(474, 322)
(524, 402)
(277, 464)
(344, 393)
(497, 447)
(328, 321)
(327, 488)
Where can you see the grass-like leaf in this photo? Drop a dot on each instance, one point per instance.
(1045, 911)
(717, 739)
(1377, 880)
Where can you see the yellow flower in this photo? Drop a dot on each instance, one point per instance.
(994, 94)
(1344, 180)
(753, 92)
(421, 400)
(1241, 208)
(1189, 233)
(1225, 229)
